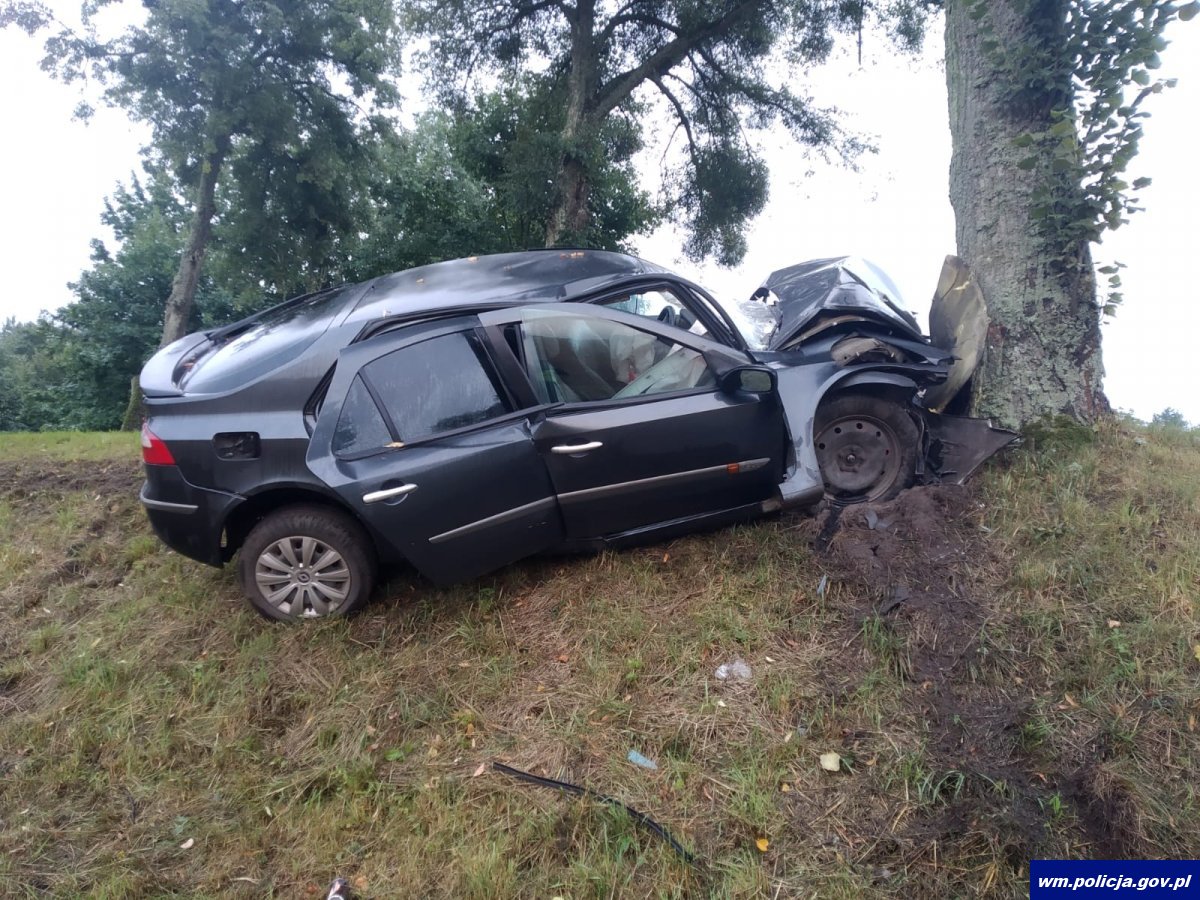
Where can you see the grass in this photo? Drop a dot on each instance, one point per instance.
(157, 738)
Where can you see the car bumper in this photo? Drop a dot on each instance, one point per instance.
(186, 518)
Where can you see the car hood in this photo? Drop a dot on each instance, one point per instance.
(855, 296)
(821, 288)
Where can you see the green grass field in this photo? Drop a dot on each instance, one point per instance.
(1006, 671)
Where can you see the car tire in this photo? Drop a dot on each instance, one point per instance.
(307, 562)
(867, 448)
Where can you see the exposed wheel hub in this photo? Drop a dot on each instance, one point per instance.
(858, 456)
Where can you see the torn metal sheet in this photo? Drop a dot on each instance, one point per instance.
(957, 445)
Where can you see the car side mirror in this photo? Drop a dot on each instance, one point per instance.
(748, 380)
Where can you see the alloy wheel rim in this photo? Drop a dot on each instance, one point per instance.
(302, 577)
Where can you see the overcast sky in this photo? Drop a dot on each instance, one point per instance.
(893, 210)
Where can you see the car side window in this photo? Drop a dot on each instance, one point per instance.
(424, 389)
(360, 427)
(659, 304)
(575, 359)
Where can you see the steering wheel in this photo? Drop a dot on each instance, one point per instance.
(668, 317)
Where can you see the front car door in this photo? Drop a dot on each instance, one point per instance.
(421, 437)
(634, 431)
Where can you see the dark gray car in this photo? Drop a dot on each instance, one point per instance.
(463, 415)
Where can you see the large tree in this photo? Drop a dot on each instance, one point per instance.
(717, 67)
(1045, 115)
(268, 90)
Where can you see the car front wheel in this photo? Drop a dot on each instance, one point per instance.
(867, 448)
(306, 562)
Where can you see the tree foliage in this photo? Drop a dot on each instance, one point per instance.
(707, 63)
(1092, 67)
(271, 91)
(72, 369)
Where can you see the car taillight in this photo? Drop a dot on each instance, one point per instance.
(154, 451)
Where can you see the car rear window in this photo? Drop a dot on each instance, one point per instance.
(278, 336)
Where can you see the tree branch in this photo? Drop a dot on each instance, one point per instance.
(680, 113)
(628, 18)
(619, 87)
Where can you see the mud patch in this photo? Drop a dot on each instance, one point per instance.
(25, 483)
(919, 568)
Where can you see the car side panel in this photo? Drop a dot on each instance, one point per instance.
(472, 502)
(661, 459)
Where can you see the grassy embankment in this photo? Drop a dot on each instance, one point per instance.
(1005, 671)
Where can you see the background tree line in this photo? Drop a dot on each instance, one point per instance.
(277, 165)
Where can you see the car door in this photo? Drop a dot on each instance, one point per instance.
(635, 431)
(420, 436)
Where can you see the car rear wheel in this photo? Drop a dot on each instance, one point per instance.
(867, 448)
(307, 562)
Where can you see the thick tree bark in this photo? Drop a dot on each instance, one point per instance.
(1043, 348)
(179, 305)
(569, 216)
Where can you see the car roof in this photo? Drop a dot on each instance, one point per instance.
(253, 347)
(502, 278)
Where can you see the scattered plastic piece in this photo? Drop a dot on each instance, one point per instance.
(823, 586)
(644, 761)
(831, 761)
(738, 670)
(339, 890)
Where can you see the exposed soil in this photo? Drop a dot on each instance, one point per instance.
(922, 565)
(29, 481)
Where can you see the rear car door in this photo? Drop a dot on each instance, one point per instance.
(420, 436)
(635, 432)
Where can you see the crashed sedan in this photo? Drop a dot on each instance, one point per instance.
(460, 416)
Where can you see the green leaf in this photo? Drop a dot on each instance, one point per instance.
(1139, 183)
(1140, 76)
(1188, 12)
(1027, 163)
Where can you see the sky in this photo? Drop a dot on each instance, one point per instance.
(893, 208)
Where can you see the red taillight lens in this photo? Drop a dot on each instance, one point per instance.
(154, 451)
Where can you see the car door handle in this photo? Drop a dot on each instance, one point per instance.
(565, 449)
(388, 493)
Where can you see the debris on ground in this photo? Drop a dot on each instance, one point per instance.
(831, 761)
(566, 787)
(737, 670)
(644, 761)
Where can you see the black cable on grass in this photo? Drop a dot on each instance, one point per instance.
(640, 817)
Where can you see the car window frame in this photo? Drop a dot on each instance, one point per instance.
(477, 336)
(717, 356)
(721, 328)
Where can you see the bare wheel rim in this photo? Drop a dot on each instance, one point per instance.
(302, 576)
(859, 456)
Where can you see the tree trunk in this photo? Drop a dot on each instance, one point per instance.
(178, 311)
(569, 216)
(1043, 348)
